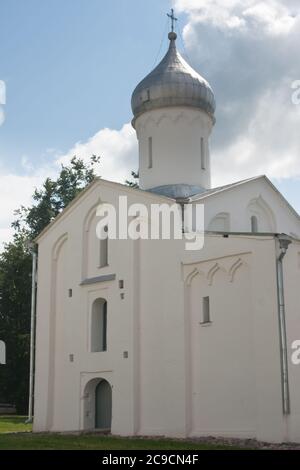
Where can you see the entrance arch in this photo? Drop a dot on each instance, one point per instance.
(103, 405)
(97, 405)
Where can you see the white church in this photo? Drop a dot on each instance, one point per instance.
(143, 337)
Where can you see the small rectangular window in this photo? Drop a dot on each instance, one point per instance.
(103, 255)
(99, 326)
(145, 96)
(206, 311)
(104, 328)
(150, 153)
(203, 156)
(254, 224)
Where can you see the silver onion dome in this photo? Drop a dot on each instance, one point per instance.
(173, 83)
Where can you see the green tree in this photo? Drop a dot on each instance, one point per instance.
(54, 196)
(15, 273)
(15, 288)
(135, 183)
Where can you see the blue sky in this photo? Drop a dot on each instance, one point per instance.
(70, 67)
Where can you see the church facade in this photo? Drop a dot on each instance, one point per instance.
(144, 337)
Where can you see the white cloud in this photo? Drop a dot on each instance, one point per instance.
(272, 16)
(15, 190)
(248, 50)
(118, 150)
(264, 147)
(117, 147)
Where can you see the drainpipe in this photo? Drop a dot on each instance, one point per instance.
(284, 242)
(32, 332)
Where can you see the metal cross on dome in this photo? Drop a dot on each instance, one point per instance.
(173, 19)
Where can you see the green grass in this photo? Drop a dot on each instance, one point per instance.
(15, 435)
(14, 424)
(94, 442)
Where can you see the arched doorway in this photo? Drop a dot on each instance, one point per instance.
(103, 405)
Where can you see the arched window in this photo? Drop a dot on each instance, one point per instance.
(254, 224)
(99, 326)
(220, 223)
(260, 216)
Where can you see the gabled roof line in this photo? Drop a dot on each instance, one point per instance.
(219, 189)
(239, 183)
(86, 190)
(151, 195)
